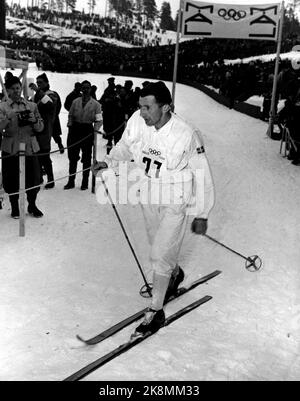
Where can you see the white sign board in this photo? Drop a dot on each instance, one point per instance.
(231, 21)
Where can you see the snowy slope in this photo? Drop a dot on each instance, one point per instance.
(31, 29)
(54, 32)
(74, 273)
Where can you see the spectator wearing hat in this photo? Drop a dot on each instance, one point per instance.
(46, 101)
(129, 99)
(111, 81)
(93, 92)
(145, 83)
(108, 103)
(120, 116)
(136, 94)
(57, 132)
(85, 116)
(20, 120)
(76, 92)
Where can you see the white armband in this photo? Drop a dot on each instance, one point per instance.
(98, 117)
(46, 99)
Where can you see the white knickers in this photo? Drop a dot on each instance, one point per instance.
(166, 225)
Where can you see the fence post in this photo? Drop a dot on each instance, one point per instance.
(22, 148)
(94, 159)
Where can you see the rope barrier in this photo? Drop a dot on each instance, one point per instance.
(5, 195)
(112, 132)
(8, 156)
(68, 147)
(49, 182)
(54, 151)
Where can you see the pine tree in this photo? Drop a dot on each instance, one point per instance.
(59, 5)
(122, 8)
(139, 7)
(150, 9)
(291, 25)
(166, 20)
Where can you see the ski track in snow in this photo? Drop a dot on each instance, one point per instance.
(74, 272)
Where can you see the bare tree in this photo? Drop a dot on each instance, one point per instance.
(92, 5)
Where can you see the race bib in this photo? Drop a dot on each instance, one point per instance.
(153, 161)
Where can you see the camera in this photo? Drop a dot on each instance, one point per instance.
(23, 118)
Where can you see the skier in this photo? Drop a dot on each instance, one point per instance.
(169, 150)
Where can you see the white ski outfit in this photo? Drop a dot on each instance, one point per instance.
(175, 168)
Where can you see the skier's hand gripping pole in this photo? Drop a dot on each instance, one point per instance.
(98, 166)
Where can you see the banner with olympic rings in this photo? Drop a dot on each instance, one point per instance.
(231, 21)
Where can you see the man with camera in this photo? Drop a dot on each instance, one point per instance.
(19, 122)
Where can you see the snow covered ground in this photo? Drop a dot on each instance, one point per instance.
(22, 27)
(74, 272)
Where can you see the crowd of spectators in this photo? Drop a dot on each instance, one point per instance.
(86, 113)
(200, 61)
(125, 30)
(196, 62)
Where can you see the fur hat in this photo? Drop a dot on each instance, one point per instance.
(43, 77)
(12, 81)
(128, 84)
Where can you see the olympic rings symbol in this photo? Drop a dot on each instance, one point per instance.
(231, 14)
(154, 152)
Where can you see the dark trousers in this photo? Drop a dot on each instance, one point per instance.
(56, 134)
(294, 129)
(10, 176)
(57, 139)
(79, 132)
(113, 138)
(45, 164)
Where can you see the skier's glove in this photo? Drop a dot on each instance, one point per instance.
(98, 166)
(199, 226)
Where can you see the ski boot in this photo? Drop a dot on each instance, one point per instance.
(175, 280)
(153, 321)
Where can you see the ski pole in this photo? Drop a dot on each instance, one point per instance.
(253, 263)
(147, 288)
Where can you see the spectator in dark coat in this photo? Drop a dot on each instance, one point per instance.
(57, 132)
(108, 103)
(46, 101)
(120, 116)
(84, 117)
(130, 105)
(93, 92)
(76, 92)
